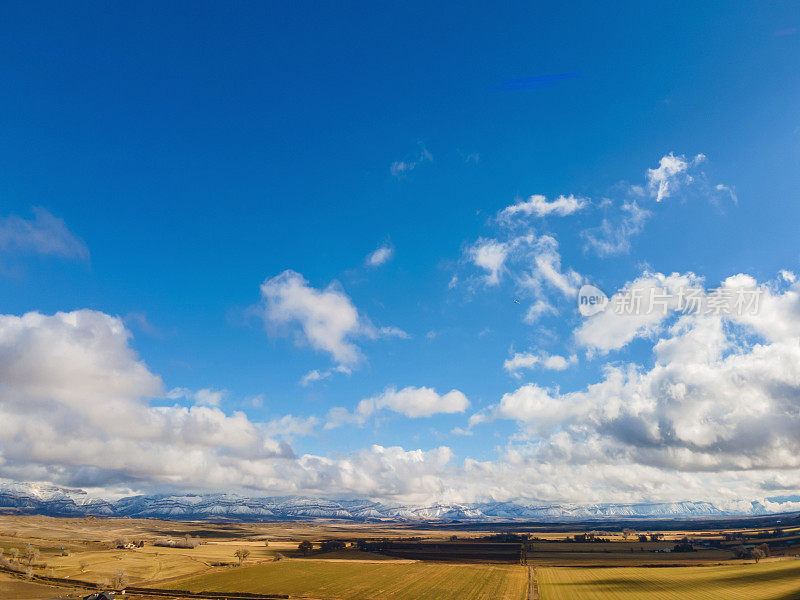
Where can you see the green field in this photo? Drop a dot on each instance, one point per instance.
(765, 581)
(365, 581)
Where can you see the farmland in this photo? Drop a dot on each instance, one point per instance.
(345, 560)
(389, 580)
(764, 581)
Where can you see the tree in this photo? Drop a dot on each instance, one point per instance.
(266, 543)
(14, 554)
(120, 580)
(305, 547)
(756, 554)
(625, 533)
(82, 565)
(241, 554)
(31, 555)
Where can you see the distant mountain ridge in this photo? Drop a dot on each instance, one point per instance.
(49, 500)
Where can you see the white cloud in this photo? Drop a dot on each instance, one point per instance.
(393, 332)
(538, 206)
(490, 255)
(44, 234)
(622, 321)
(380, 256)
(715, 417)
(413, 402)
(75, 402)
(290, 426)
(76, 410)
(527, 360)
(532, 263)
(614, 237)
(663, 181)
(203, 397)
(317, 375)
(674, 175)
(539, 309)
(327, 318)
(547, 269)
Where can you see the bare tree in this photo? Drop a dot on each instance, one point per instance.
(120, 580)
(14, 554)
(241, 554)
(82, 565)
(31, 555)
(266, 543)
(757, 554)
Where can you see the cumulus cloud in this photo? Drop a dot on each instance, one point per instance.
(637, 310)
(714, 416)
(79, 408)
(74, 396)
(327, 319)
(380, 256)
(538, 206)
(719, 406)
(413, 402)
(44, 234)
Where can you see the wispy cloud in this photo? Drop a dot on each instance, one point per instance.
(381, 255)
(401, 168)
(44, 234)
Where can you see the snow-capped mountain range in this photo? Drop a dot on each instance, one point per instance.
(26, 498)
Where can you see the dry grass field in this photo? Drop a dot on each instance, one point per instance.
(12, 588)
(85, 549)
(774, 580)
(388, 580)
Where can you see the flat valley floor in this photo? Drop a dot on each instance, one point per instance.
(265, 559)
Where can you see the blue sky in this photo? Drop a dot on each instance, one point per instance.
(161, 163)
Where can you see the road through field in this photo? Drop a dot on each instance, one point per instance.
(779, 580)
